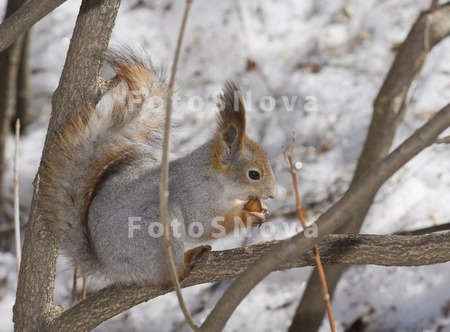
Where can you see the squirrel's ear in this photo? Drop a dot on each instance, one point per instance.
(231, 122)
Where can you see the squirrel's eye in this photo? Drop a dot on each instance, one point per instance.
(254, 175)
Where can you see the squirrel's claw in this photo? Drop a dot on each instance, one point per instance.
(258, 218)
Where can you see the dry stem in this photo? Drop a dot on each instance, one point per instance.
(164, 182)
(301, 217)
(16, 197)
(76, 272)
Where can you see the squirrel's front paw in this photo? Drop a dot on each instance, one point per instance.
(257, 218)
(255, 212)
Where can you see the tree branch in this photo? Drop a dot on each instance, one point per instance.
(301, 217)
(24, 18)
(332, 219)
(385, 250)
(389, 104)
(164, 180)
(443, 140)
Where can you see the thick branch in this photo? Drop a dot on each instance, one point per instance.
(385, 250)
(327, 223)
(429, 30)
(23, 19)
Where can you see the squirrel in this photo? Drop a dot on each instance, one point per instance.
(101, 180)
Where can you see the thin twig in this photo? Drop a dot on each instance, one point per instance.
(443, 140)
(164, 182)
(301, 217)
(426, 33)
(16, 197)
(76, 273)
(84, 289)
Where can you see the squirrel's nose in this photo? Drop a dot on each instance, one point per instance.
(273, 192)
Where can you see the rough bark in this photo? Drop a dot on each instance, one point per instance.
(385, 250)
(428, 30)
(34, 306)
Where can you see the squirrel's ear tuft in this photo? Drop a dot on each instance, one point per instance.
(231, 122)
(230, 135)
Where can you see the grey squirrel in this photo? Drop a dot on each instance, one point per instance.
(102, 180)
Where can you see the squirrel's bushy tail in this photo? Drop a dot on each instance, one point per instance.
(129, 115)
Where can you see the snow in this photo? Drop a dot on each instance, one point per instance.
(351, 45)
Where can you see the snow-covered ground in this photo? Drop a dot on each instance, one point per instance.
(327, 59)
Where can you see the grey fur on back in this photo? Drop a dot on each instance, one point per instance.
(128, 203)
(104, 176)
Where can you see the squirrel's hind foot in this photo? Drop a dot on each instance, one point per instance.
(191, 257)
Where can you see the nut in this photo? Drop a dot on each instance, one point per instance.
(253, 205)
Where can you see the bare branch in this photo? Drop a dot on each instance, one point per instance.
(24, 18)
(164, 181)
(331, 220)
(385, 250)
(301, 217)
(443, 140)
(389, 104)
(16, 197)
